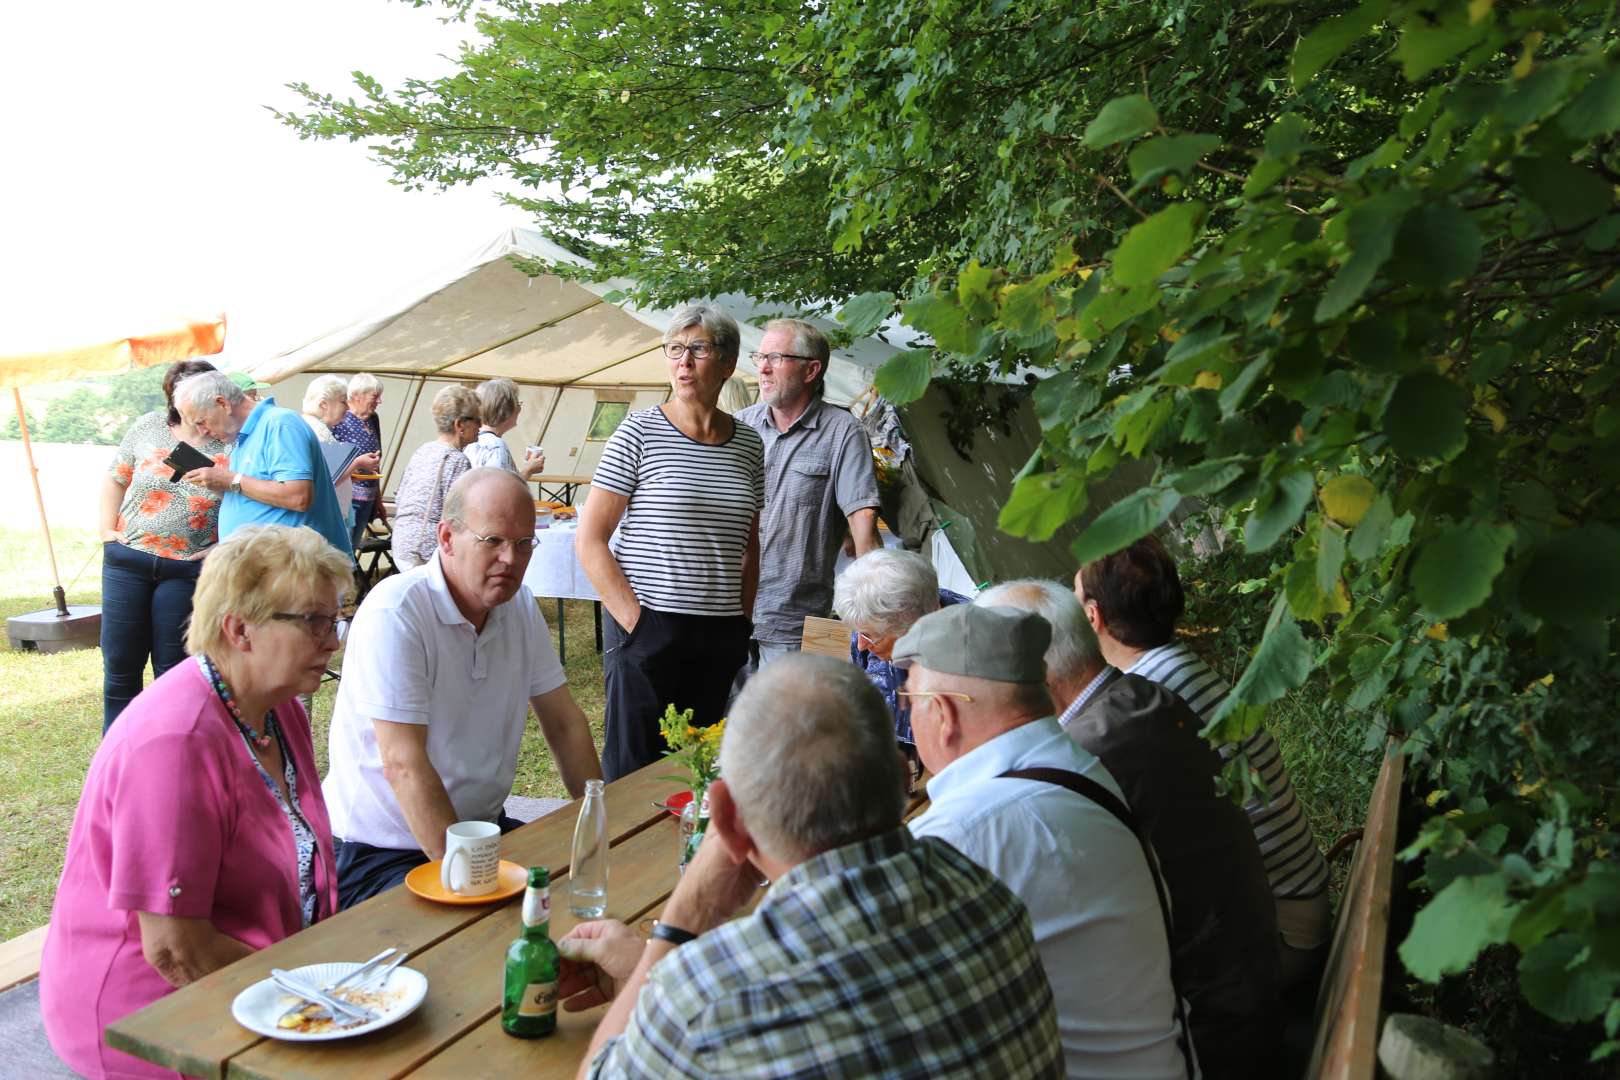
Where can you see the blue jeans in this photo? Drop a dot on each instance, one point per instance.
(145, 602)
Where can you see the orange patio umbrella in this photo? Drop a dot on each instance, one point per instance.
(162, 343)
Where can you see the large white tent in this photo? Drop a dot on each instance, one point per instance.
(573, 351)
(484, 318)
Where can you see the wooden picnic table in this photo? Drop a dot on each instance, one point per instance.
(461, 949)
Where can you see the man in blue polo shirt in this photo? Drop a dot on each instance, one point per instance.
(277, 475)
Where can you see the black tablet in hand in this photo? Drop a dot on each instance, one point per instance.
(185, 457)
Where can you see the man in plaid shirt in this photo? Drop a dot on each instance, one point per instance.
(872, 954)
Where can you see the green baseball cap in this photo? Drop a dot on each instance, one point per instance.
(245, 381)
(998, 643)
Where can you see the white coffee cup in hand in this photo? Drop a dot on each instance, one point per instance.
(472, 858)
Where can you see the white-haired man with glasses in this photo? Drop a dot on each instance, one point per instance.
(442, 665)
(820, 486)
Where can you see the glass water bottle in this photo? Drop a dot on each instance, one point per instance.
(588, 871)
(529, 1003)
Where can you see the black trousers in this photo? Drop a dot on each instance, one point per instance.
(669, 659)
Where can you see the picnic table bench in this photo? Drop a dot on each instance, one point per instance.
(461, 949)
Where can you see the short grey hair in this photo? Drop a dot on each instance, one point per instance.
(498, 400)
(808, 340)
(810, 758)
(715, 321)
(886, 589)
(365, 383)
(453, 403)
(1074, 648)
(455, 500)
(197, 392)
(324, 389)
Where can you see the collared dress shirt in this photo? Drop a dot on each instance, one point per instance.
(1086, 883)
(817, 473)
(891, 957)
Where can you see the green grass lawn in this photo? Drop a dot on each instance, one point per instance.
(50, 720)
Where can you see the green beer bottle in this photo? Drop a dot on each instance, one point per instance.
(529, 1006)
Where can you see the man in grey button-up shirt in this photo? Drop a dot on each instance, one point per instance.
(819, 485)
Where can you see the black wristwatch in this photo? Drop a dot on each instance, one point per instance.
(672, 934)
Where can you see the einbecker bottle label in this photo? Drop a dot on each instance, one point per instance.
(539, 999)
(536, 907)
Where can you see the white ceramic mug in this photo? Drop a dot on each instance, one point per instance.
(472, 858)
(532, 452)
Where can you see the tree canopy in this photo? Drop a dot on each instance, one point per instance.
(1347, 272)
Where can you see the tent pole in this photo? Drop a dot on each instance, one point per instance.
(545, 425)
(39, 501)
(399, 437)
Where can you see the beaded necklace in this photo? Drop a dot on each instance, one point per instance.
(224, 692)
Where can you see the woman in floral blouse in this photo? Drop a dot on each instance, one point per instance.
(154, 533)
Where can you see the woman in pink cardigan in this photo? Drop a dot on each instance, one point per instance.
(201, 834)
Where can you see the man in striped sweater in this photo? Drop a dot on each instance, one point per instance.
(1133, 600)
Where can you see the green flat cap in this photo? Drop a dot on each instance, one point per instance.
(999, 643)
(245, 381)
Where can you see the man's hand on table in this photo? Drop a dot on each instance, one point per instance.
(597, 957)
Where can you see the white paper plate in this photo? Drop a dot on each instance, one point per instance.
(259, 1006)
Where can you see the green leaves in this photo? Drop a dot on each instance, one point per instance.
(1043, 503)
(1437, 244)
(1425, 417)
(1569, 980)
(1319, 48)
(1463, 918)
(943, 319)
(1122, 118)
(904, 378)
(1155, 245)
(1346, 499)
(1372, 227)
(1596, 110)
(1128, 520)
(1280, 664)
(1277, 510)
(1455, 570)
(1574, 575)
(866, 312)
(1154, 157)
(1569, 194)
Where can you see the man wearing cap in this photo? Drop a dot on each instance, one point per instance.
(277, 474)
(249, 385)
(871, 952)
(1224, 931)
(1016, 795)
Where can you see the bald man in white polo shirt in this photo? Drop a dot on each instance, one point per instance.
(439, 671)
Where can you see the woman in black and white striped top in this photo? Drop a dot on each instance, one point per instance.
(670, 539)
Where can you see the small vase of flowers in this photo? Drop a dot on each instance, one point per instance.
(698, 749)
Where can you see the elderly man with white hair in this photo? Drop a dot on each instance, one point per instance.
(1225, 927)
(277, 474)
(1013, 793)
(873, 953)
(880, 595)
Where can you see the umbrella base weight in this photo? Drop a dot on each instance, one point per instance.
(48, 632)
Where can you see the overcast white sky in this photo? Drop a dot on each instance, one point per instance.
(140, 173)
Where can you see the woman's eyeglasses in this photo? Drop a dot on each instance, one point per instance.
(318, 626)
(700, 350)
